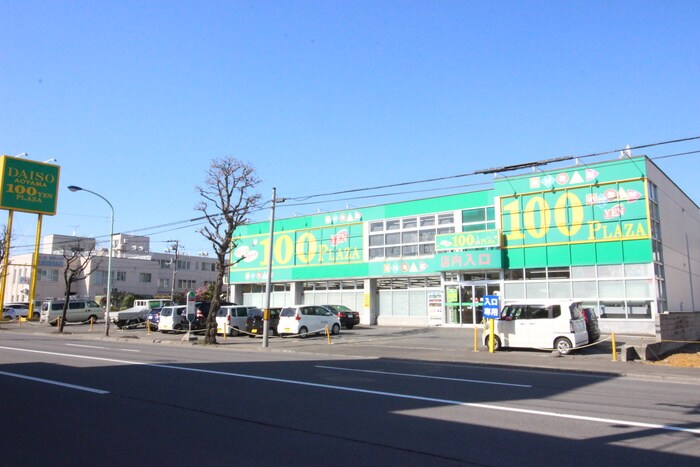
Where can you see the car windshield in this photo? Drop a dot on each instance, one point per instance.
(288, 312)
(222, 312)
(341, 308)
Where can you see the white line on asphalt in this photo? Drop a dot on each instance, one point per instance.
(102, 347)
(86, 346)
(462, 380)
(606, 421)
(55, 383)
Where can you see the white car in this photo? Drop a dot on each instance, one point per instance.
(15, 310)
(307, 319)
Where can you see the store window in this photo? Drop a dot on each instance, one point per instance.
(408, 237)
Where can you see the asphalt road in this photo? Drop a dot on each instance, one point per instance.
(75, 401)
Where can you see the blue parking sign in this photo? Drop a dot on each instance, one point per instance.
(492, 306)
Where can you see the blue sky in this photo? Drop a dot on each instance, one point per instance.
(134, 99)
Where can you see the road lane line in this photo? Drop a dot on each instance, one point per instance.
(87, 346)
(410, 375)
(607, 421)
(102, 347)
(55, 383)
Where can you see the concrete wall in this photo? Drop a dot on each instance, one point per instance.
(674, 330)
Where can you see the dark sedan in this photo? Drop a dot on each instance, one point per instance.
(592, 328)
(153, 318)
(347, 317)
(254, 324)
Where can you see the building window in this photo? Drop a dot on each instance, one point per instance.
(48, 275)
(163, 283)
(120, 276)
(145, 277)
(408, 237)
(99, 277)
(186, 284)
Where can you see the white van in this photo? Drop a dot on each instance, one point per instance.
(173, 318)
(544, 324)
(305, 319)
(78, 311)
(231, 319)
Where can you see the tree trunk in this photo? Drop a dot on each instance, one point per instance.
(210, 332)
(65, 309)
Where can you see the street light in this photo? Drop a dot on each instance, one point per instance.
(109, 261)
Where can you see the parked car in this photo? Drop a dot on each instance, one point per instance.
(348, 318)
(541, 325)
(592, 327)
(231, 319)
(15, 310)
(78, 311)
(173, 318)
(305, 319)
(254, 324)
(153, 318)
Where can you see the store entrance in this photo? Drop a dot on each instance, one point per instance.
(464, 301)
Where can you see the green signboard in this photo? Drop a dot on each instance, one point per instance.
(585, 215)
(28, 186)
(467, 240)
(582, 215)
(322, 246)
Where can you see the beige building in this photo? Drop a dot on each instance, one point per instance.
(135, 269)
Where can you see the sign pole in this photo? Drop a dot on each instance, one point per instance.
(6, 259)
(35, 267)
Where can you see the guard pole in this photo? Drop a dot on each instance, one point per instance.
(35, 268)
(614, 347)
(6, 259)
(491, 331)
(476, 338)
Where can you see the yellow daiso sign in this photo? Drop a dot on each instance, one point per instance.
(28, 186)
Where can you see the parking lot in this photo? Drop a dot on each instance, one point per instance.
(431, 344)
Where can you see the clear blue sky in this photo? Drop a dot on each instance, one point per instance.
(135, 98)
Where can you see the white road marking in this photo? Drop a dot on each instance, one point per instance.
(55, 383)
(461, 380)
(86, 346)
(607, 421)
(102, 347)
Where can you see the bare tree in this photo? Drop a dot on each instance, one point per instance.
(78, 256)
(228, 196)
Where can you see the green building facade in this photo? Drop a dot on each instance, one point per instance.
(591, 232)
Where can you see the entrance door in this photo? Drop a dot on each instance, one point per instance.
(464, 301)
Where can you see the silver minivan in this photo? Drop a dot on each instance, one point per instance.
(78, 311)
(544, 324)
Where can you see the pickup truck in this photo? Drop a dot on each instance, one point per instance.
(137, 314)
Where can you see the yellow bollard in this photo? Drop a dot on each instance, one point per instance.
(476, 338)
(614, 347)
(148, 327)
(328, 334)
(91, 322)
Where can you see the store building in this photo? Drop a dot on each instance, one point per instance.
(135, 269)
(618, 235)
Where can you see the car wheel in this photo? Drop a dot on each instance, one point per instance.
(303, 332)
(177, 327)
(563, 345)
(496, 343)
(92, 318)
(234, 332)
(335, 330)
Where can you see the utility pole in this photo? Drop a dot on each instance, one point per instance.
(174, 246)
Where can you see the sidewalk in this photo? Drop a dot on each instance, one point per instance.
(432, 344)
